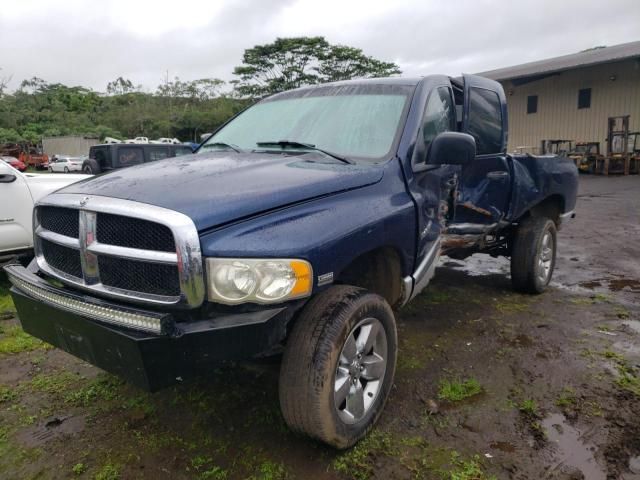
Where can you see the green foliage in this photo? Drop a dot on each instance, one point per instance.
(177, 109)
(79, 468)
(108, 472)
(455, 391)
(15, 340)
(357, 463)
(470, 469)
(529, 407)
(6, 303)
(567, 398)
(105, 387)
(7, 394)
(269, 470)
(294, 62)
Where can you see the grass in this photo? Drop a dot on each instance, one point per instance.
(357, 463)
(79, 468)
(511, 304)
(470, 469)
(53, 383)
(456, 391)
(7, 394)
(529, 407)
(15, 340)
(104, 387)
(567, 398)
(628, 380)
(6, 303)
(108, 471)
(269, 470)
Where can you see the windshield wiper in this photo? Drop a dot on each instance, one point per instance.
(309, 146)
(233, 147)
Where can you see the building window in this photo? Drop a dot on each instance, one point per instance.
(584, 98)
(532, 103)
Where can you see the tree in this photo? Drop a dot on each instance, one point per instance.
(344, 63)
(294, 62)
(120, 86)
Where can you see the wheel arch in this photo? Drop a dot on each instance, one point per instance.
(378, 270)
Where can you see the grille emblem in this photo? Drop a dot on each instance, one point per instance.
(84, 201)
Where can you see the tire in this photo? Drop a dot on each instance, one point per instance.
(533, 256)
(316, 358)
(66, 169)
(91, 167)
(50, 169)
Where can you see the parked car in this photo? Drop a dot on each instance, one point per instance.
(137, 140)
(66, 164)
(294, 229)
(18, 192)
(103, 158)
(175, 141)
(15, 163)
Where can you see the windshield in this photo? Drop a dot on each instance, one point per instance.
(355, 121)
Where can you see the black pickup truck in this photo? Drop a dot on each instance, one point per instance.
(298, 227)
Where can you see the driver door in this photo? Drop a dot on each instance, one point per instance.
(485, 183)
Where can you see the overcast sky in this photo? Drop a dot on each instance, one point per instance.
(89, 43)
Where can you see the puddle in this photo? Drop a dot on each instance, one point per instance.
(478, 265)
(633, 325)
(570, 450)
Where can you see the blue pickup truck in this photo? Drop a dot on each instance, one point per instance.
(297, 228)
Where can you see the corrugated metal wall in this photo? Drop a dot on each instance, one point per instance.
(72, 145)
(558, 116)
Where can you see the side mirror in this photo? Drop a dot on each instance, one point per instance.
(452, 148)
(7, 178)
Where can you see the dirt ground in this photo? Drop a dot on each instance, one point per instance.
(552, 385)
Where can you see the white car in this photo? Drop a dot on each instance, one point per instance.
(66, 164)
(174, 141)
(137, 140)
(18, 194)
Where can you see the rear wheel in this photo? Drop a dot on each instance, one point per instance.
(91, 167)
(533, 257)
(338, 367)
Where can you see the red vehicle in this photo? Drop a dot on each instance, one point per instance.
(15, 163)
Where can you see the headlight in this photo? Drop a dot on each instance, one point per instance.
(242, 280)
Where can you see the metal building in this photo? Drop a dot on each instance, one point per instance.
(74, 145)
(571, 97)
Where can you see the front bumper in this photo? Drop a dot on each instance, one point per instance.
(88, 328)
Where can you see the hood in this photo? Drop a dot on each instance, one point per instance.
(219, 187)
(41, 184)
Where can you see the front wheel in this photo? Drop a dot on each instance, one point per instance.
(338, 367)
(66, 169)
(50, 169)
(533, 257)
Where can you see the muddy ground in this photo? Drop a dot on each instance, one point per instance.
(553, 384)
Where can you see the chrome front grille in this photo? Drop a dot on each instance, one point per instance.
(119, 248)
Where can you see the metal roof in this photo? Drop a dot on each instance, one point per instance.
(549, 66)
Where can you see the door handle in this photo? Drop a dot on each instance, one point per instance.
(497, 175)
